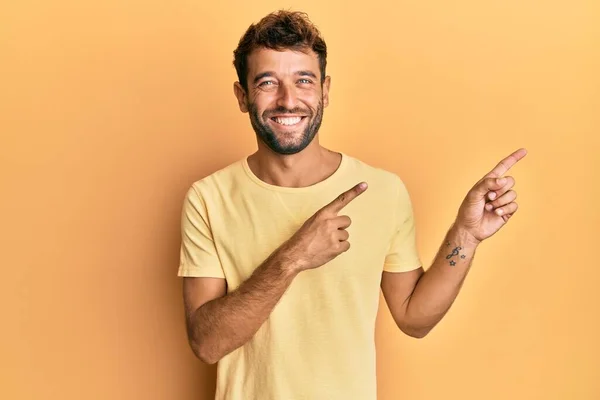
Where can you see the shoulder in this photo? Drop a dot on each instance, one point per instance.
(220, 180)
(376, 176)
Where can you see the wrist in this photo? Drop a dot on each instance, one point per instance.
(287, 261)
(460, 234)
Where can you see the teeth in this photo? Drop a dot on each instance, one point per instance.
(287, 121)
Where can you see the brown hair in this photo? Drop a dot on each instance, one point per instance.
(278, 31)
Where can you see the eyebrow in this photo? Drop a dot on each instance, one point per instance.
(263, 75)
(271, 73)
(306, 73)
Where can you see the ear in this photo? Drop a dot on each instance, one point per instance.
(241, 96)
(326, 86)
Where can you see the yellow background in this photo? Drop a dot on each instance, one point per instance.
(110, 110)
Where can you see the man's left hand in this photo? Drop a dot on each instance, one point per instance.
(491, 202)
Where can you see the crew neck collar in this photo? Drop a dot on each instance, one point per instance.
(306, 189)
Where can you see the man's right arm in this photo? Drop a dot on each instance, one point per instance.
(217, 323)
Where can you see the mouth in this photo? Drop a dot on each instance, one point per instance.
(288, 120)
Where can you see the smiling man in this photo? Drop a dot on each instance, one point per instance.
(273, 290)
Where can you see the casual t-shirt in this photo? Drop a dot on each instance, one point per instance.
(318, 342)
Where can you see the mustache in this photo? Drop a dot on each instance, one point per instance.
(283, 110)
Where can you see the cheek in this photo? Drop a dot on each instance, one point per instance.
(263, 101)
(314, 98)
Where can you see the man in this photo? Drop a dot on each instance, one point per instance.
(273, 290)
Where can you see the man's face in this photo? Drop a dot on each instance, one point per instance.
(285, 98)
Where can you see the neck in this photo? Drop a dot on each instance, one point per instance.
(308, 167)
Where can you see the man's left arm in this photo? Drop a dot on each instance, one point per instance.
(418, 300)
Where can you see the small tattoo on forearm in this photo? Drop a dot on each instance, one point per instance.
(455, 252)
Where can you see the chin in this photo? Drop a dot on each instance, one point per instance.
(287, 150)
(285, 147)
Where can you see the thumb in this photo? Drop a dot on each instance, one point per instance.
(484, 186)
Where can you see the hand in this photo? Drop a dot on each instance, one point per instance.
(491, 202)
(323, 236)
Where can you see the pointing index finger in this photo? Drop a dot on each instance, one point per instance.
(343, 199)
(504, 165)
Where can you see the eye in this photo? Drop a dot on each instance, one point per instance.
(266, 83)
(304, 80)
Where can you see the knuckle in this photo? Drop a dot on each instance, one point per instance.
(329, 224)
(333, 242)
(321, 215)
(484, 185)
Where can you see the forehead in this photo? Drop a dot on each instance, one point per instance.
(282, 62)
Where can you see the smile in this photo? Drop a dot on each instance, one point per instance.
(287, 121)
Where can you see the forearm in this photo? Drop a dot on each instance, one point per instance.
(438, 287)
(222, 325)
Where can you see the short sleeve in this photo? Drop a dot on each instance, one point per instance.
(198, 254)
(402, 254)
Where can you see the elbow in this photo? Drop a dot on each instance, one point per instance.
(415, 327)
(414, 331)
(202, 352)
(207, 359)
(417, 334)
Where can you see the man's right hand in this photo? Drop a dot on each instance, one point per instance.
(323, 236)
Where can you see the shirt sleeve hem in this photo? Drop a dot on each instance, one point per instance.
(401, 267)
(198, 273)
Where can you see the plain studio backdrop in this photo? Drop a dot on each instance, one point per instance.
(110, 110)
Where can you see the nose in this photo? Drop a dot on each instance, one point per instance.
(286, 96)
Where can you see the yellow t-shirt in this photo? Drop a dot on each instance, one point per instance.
(318, 343)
